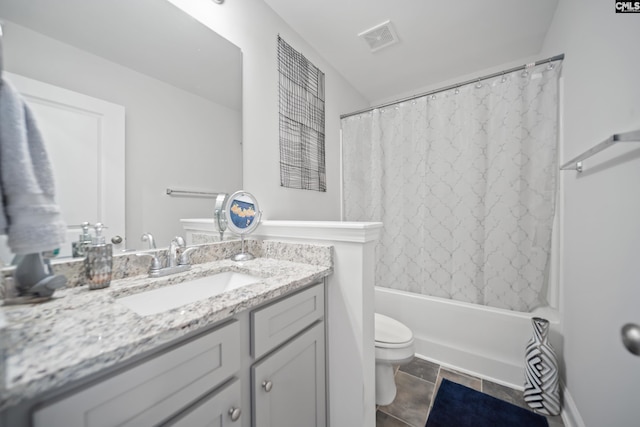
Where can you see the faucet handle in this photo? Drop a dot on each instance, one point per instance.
(155, 262)
(179, 241)
(184, 256)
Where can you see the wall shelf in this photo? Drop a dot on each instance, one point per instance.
(576, 163)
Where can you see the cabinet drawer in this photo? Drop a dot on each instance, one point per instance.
(215, 410)
(152, 391)
(276, 323)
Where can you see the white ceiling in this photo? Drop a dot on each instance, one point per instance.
(149, 36)
(439, 40)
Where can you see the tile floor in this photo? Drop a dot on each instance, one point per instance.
(417, 384)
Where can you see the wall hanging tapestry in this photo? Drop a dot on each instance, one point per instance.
(301, 111)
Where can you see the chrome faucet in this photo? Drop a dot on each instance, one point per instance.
(174, 263)
(172, 258)
(184, 256)
(148, 237)
(156, 266)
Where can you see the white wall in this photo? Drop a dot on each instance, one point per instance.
(601, 272)
(455, 80)
(254, 27)
(173, 138)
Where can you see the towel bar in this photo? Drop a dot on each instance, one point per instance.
(576, 163)
(173, 192)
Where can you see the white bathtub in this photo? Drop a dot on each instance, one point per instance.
(484, 341)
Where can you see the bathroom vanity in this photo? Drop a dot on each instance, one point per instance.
(249, 356)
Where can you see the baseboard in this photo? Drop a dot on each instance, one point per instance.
(570, 415)
(500, 372)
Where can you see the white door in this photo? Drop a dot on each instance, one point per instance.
(85, 139)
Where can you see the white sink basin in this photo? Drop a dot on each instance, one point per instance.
(173, 296)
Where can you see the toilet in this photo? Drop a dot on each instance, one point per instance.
(394, 346)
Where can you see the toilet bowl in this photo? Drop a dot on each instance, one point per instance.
(394, 346)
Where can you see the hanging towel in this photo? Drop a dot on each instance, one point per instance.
(29, 215)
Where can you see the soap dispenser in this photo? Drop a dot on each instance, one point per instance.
(98, 260)
(78, 248)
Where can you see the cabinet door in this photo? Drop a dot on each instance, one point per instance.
(221, 409)
(152, 391)
(288, 386)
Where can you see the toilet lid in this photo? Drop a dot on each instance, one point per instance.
(391, 331)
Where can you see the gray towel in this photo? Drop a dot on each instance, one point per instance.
(29, 214)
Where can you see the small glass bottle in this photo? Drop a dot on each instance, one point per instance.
(98, 260)
(78, 248)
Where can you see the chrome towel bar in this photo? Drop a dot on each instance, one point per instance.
(576, 163)
(174, 192)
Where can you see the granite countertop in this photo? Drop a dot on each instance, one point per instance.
(81, 332)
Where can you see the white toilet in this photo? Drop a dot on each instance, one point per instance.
(394, 346)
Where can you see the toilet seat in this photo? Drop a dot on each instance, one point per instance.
(389, 333)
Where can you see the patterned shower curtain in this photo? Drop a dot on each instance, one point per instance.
(464, 182)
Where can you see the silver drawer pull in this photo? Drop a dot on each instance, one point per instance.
(234, 413)
(267, 386)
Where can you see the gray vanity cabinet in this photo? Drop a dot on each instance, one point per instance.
(262, 368)
(288, 383)
(153, 391)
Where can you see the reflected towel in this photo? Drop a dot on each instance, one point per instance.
(29, 214)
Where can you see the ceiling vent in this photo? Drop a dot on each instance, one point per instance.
(380, 36)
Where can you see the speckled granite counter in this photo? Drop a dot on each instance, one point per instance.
(81, 332)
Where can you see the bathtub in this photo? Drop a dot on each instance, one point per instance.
(483, 341)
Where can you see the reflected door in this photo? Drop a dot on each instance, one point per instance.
(85, 140)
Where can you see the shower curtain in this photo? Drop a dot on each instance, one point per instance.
(464, 182)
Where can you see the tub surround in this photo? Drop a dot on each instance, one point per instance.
(482, 341)
(81, 332)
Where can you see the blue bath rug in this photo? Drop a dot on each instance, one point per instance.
(460, 406)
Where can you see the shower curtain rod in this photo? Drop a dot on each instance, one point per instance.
(477, 79)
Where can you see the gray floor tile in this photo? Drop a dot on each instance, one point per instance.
(460, 378)
(423, 369)
(416, 394)
(412, 401)
(386, 420)
(504, 393)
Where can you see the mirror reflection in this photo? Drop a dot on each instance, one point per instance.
(129, 107)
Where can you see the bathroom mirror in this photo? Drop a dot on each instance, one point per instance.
(243, 217)
(242, 212)
(178, 84)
